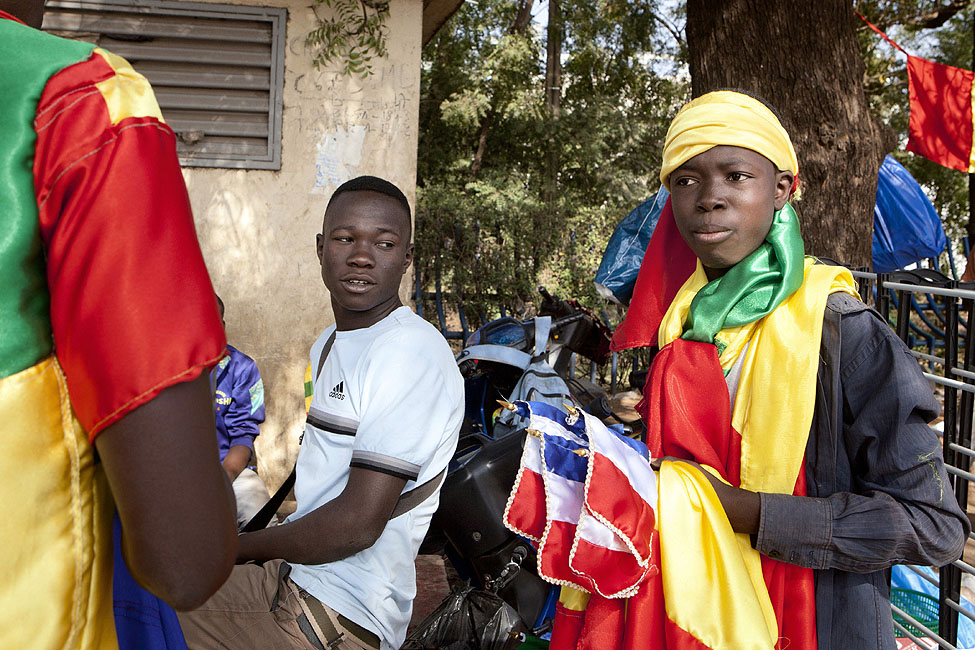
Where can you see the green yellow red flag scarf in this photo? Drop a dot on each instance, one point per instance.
(749, 291)
(764, 316)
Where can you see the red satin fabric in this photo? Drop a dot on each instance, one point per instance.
(566, 628)
(641, 622)
(4, 15)
(688, 415)
(626, 509)
(687, 409)
(604, 624)
(666, 266)
(132, 307)
(646, 619)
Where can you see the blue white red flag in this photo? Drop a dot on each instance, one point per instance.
(586, 495)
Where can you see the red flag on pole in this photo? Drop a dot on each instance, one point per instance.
(941, 113)
(941, 126)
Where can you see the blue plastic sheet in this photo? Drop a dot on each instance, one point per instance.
(624, 252)
(906, 228)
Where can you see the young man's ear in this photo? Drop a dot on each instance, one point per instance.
(409, 257)
(783, 188)
(320, 246)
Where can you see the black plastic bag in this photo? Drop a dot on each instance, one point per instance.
(469, 619)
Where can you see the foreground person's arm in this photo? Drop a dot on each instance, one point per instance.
(174, 501)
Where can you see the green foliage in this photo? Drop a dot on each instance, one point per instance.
(352, 33)
(486, 227)
(887, 91)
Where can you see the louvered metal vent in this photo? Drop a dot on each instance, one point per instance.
(217, 70)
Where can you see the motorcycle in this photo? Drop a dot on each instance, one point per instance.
(495, 361)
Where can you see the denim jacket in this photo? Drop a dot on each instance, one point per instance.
(878, 492)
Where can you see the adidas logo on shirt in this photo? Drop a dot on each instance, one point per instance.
(337, 391)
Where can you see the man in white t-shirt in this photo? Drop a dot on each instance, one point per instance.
(382, 426)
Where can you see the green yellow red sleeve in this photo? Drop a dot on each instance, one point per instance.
(132, 306)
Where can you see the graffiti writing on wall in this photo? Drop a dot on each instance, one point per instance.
(338, 157)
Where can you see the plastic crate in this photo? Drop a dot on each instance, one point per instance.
(922, 607)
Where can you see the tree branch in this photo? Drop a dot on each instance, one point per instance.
(925, 20)
(523, 17)
(520, 24)
(670, 27)
(486, 125)
(939, 16)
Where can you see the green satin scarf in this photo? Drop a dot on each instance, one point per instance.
(753, 287)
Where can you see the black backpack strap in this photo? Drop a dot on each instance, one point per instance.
(325, 350)
(416, 496)
(407, 501)
(267, 511)
(263, 516)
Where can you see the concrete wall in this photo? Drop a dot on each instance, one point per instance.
(257, 228)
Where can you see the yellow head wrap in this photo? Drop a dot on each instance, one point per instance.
(725, 117)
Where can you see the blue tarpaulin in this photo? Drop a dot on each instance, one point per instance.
(624, 252)
(906, 228)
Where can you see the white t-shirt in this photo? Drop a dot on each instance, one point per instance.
(389, 398)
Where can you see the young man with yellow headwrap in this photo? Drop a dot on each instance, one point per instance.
(804, 418)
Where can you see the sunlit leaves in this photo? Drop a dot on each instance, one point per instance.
(349, 33)
(489, 233)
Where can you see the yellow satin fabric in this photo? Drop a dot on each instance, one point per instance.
(56, 532)
(711, 576)
(785, 345)
(127, 94)
(725, 117)
(572, 598)
(703, 561)
(672, 325)
(309, 382)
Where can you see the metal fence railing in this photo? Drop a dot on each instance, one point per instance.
(933, 315)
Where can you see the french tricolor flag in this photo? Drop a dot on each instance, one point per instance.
(525, 513)
(546, 501)
(586, 496)
(617, 524)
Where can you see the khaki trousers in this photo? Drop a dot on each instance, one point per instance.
(260, 608)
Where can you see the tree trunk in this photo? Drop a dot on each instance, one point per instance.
(553, 97)
(803, 58)
(482, 135)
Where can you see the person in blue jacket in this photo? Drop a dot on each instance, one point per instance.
(239, 403)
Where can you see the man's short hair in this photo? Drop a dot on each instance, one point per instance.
(373, 184)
